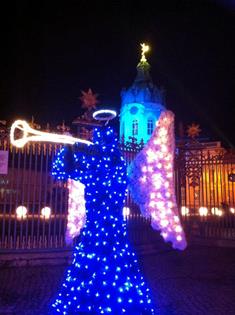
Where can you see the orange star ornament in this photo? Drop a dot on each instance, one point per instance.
(89, 100)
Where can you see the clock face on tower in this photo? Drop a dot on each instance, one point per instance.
(134, 110)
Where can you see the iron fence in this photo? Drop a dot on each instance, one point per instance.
(26, 192)
(204, 181)
(205, 186)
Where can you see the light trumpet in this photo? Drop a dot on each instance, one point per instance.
(30, 134)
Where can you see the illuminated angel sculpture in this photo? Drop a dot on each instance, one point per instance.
(104, 276)
(151, 184)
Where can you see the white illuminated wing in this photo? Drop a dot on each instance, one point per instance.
(151, 182)
(76, 210)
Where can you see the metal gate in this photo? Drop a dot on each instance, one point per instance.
(205, 186)
(33, 206)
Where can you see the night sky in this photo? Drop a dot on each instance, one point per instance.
(50, 52)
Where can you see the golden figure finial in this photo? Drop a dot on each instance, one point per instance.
(144, 49)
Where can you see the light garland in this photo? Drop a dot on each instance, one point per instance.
(152, 182)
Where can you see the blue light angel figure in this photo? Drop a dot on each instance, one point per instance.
(104, 276)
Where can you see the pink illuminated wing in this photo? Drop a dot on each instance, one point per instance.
(151, 182)
(76, 210)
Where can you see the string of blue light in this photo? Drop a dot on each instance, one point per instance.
(104, 276)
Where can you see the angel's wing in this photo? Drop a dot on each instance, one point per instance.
(151, 182)
(63, 169)
(76, 210)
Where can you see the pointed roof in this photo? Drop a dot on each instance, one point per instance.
(143, 88)
(143, 74)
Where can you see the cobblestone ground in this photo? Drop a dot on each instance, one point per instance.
(198, 281)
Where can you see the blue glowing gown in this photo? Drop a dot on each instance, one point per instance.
(104, 277)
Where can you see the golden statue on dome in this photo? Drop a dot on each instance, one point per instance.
(144, 48)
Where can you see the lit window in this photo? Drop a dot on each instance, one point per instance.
(150, 127)
(135, 128)
(123, 130)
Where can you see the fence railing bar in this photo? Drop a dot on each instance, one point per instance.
(35, 174)
(50, 198)
(11, 186)
(28, 185)
(40, 196)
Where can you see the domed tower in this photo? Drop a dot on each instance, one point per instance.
(142, 104)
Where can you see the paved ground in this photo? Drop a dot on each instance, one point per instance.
(198, 281)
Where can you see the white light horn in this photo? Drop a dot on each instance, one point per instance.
(30, 134)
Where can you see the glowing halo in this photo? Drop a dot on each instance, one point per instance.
(104, 114)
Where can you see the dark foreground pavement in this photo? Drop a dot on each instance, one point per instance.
(198, 281)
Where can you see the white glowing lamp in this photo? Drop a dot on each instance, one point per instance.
(184, 210)
(216, 211)
(232, 210)
(126, 211)
(203, 211)
(21, 212)
(46, 212)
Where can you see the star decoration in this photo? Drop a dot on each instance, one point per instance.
(193, 130)
(89, 100)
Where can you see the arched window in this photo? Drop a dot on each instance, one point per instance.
(122, 131)
(135, 127)
(150, 126)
